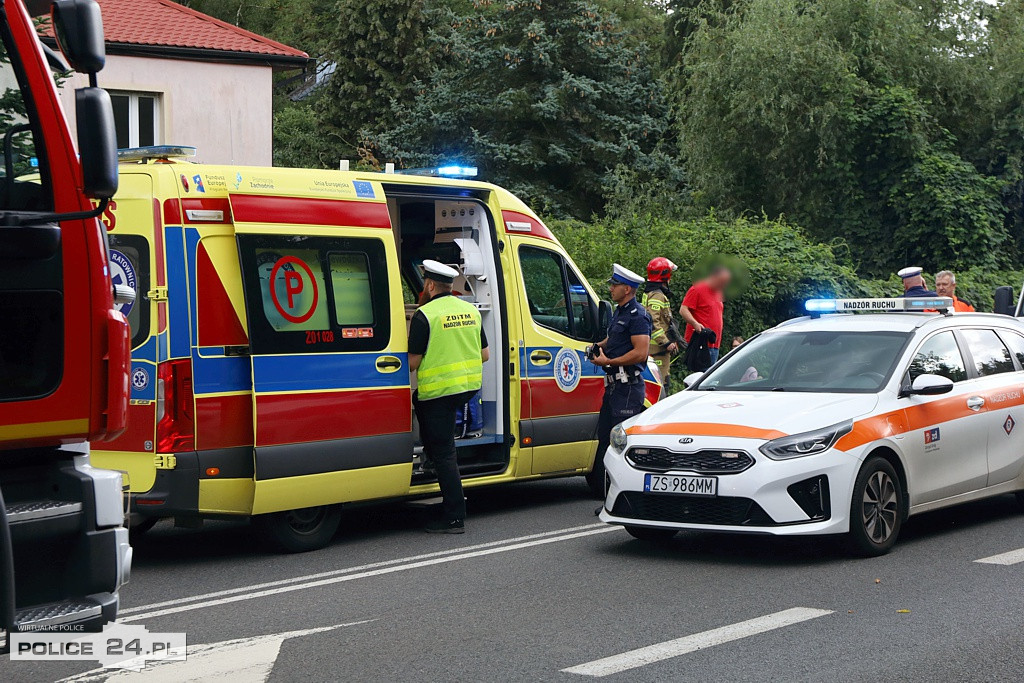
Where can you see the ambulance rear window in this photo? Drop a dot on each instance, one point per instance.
(315, 294)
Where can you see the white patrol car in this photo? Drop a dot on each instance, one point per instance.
(832, 424)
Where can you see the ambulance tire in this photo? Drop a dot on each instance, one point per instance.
(876, 509)
(651, 535)
(299, 531)
(139, 528)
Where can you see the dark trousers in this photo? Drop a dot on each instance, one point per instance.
(621, 402)
(437, 432)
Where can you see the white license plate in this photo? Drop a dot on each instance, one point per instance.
(690, 486)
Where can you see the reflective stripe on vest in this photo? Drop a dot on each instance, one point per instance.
(452, 363)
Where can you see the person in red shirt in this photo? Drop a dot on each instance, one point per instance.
(702, 307)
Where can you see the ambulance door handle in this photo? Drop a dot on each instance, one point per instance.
(388, 364)
(975, 403)
(540, 357)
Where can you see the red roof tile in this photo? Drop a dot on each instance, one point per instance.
(166, 23)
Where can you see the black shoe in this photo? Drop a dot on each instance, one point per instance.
(444, 526)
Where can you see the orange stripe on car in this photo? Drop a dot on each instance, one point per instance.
(707, 429)
(926, 415)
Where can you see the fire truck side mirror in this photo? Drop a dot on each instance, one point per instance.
(97, 142)
(78, 27)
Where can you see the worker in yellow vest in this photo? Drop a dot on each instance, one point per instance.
(447, 350)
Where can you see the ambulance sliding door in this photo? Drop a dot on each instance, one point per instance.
(563, 390)
(329, 365)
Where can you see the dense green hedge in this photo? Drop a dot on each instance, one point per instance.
(784, 267)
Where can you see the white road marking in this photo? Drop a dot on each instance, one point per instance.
(243, 659)
(455, 557)
(1012, 557)
(350, 570)
(698, 641)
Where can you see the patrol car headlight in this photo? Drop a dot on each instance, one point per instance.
(807, 443)
(618, 437)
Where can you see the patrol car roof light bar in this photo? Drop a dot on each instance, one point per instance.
(942, 304)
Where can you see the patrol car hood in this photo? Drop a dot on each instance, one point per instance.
(789, 413)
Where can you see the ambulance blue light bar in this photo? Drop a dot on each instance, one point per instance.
(450, 171)
(900, 305)
(457, 171)
(156, 152)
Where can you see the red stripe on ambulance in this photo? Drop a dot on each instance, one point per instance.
(307, 211)
(284, 418)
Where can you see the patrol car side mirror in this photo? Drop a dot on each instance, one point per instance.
(930, 385)
(1004, 302)
(692, 379)
(604, 319)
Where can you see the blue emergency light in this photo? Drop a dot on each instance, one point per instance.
(457, 171)
(820, 305)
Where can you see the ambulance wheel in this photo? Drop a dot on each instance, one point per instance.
(299, 531)
(646, 533)
(137, 529)
(876, 511)
(595, 480)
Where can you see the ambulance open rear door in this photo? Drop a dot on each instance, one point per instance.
(328, 350)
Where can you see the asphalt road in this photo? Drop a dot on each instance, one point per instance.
(536, 586)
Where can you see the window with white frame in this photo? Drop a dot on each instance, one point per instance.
(136, 118)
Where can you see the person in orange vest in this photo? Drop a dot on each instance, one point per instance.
(945, 285)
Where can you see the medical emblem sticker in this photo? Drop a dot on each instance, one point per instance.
(140, 378)
(123, 273)
(567, 370)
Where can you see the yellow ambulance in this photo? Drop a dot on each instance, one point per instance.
(269, 339)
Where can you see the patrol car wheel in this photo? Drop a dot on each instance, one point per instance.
(646, 533)
(876, 511)
(298, 531)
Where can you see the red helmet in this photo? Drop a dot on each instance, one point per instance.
(660, 269)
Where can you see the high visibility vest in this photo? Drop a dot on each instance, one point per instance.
(452, 363)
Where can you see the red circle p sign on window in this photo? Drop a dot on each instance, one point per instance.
(295, 285)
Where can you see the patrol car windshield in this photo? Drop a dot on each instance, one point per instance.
(814, 361)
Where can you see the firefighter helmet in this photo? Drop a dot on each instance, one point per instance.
(660, 269)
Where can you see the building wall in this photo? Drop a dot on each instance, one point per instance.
(224, 110)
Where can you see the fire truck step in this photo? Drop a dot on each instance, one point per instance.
(32, 510)
(52, 614)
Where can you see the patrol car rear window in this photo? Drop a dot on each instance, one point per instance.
(315, 294)
(990, 356)
(818, 361)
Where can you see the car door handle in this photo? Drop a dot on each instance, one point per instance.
(388, 363)
(975, 403)
(540, 357)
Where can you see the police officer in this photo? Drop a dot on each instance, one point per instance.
(447, 350)
(622, 355)
(665, 337)
(913, 283)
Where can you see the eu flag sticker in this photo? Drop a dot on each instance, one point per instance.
(363, 189)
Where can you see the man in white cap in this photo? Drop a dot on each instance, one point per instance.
(622, 355)
(447, 350)
(913, 283)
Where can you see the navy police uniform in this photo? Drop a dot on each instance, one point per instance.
(624, 388)
(916, 291)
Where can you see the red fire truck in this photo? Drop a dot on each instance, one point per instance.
(64, 359)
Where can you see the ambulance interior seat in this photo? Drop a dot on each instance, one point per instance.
(423, 233)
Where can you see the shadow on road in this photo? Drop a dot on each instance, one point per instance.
(218, 540)
(710, 548)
